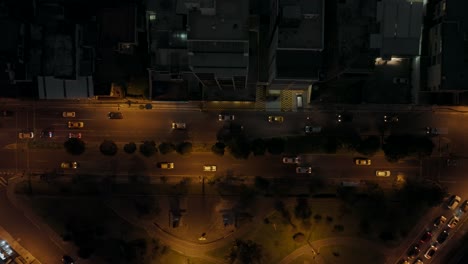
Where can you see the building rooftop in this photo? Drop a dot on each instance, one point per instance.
(228, 22)
(400, 28)
(301, 24)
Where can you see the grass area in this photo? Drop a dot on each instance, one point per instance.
(350, 255)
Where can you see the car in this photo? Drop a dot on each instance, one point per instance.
(426, 237)
(464, 206)
(344, 117)
(430, 252)
(403, 261)
(275, 119)
(442, 236)
(225, 117)
(178, 125)
(390, 118)
(26, 135)
(47, 134)
(451, 162)
(439, 221)
(362, 161)
(74, 135)
(312, 129)
(382, 173)
(291, 160)
(72, 124)
(68, 114)
(67, 260)
(166, 165)
(115, 115)
(400, 80)
(69, 165)
(454, 202)
(6, 113)
(304, 170)
(418, 261)
(453, 222)
(209, 168)
(413, 251)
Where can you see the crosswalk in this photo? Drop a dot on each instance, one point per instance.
(3, 181)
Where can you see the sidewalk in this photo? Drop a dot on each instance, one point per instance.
(24, 255)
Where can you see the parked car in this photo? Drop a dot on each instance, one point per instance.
(115, 115)
(453, 222)
(275, 119)
(166, 165)
(67, 260)
(225, 117)
(304, 170)
(26, 135)
(291, 160)
(362, 161)
(454, 202)
(443, 236)
(439, 221)
(209, 168)
(400, 80)
(75, 124)
(69, 165)
(312, 129)
(418, 261)
(391, 118)
(413, 251)
(382, 173)
(464, 206)
(74, 135)
(6, 113)
(68, 114)
(179, 125)
(344, 117)
(426, 237)
(430, 252)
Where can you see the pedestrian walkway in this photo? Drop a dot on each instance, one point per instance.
(22, 255)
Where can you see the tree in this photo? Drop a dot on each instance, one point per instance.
(166, 148)
(108, 148)
(74, 146)
(184, 148)
(245, 252)
(258, 147)
(148, 148)
(369, 146)
(302, 209)
(218, 148)
(239, 147)
(275, 146)
(261, 183)
(130, 148)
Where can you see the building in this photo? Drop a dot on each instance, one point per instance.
(448, 49)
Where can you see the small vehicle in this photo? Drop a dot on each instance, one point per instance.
(178, 125)
(6, 113)
(430, 252)
(418, 261)
(312, 129)
(344, 117)
(439, 221)
(47, 134)
(400, 80)
(464, 206)
(413, 251)
(225, 117)
(426, 237)
(68, 114)
(362, 161)
(307, 170)
(26, 135)
(391, 118)
(69, 165)
(74, 135)
(209, 168)
(75, 124)
(453, 222)
(67, 260)
(166, 165)
(442, 236)
(435, 131)
(382, 173)
(291, 160)
(275, 119)
(454, 202)
(115, 115)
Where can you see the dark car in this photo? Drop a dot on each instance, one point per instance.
(426, 237)
(442, 236)
(67, 260)
(6, 113)
(344, 117)
(413, 251)
(391, 118)
(115, 115)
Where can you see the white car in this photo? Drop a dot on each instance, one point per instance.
(26, 135)
(454, 202)
(225, 117)
(382, 173)
(74, 135)
(178, 125)
(430, 252)
(307, 170)
(209, 168)
(291, 160)
(453, 222)
(68, 114)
